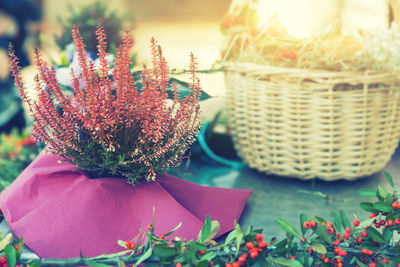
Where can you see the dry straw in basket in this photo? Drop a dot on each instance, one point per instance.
(311, 107)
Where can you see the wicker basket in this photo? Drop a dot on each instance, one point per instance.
(313, 123)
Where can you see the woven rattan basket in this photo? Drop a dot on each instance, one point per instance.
(313, 123)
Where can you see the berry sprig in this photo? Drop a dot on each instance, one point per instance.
(337, 242)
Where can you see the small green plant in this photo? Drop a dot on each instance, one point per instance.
(16, 152)
(86, 19)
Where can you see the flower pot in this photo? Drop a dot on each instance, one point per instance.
(61, 212)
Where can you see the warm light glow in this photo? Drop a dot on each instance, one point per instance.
(294, 15)
(304, 17)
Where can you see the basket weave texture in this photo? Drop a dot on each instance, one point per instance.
(313, 123)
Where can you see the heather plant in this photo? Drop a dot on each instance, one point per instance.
(108, 127)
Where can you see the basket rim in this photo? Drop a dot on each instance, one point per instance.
(246, 67)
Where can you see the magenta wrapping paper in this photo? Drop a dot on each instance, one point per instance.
(61, 213)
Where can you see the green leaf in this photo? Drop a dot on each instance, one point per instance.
(96, 264)
(393, 215)
(310, 261)
(345, 220)
(360, 263)
(207, 257)
(20, 247)
(388, 178)
(375, 235)
(303, 219)
(173, 230)
(336, 221)
(319, 248)
(389, 199)
(205, 230)
(9, 251)
(287, 227)
(214, 230)
(239, 238)
(388, 233)
(108, 256)
(288, 262)
(381, 193)
(202, 264)
(368, 206)
(121, 243)
(231, 236)
(144, 257)
(367, 193)
(383, 206)
(319, 219)
(322, 232)
(281, 245)
(164, 251)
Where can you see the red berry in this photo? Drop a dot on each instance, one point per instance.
(303, 239)
(329, 224)
(162, 237)
(372, 264)
(364, 233)
(356, 222)
(16, 247)
(178, 264)
(359, 239)
(372, 215)
(326, 260)
(364, 251)
(228, 265)
(263, 244)
(346, 235)
(394, 204)
(309, 250)
(382, 222)
(253, 254)
(330, 230)
(322, 223)
(336, 250)
(343, 253)
(385, 261)
(307, 225)
(313, 223)
(292, 257)
(336, 242)
(348, 229)
(3, 259)
(235, 264)
(259, 237)
(249, 245)
(389, 222)
(370, 252)
(397, 221)
(132, 246)
(211, 263)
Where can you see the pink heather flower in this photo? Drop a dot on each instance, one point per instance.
(107, 127)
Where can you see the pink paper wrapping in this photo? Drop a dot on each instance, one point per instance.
(61, 213)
